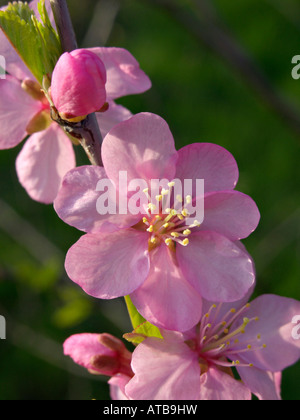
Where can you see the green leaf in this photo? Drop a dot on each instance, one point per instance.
(143, 331)
(135, 317)
(37, 43)
(142, 328)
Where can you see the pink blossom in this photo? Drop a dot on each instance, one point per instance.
(48, 154)
(102, 354)
(254, 339)
(78, 84)
(165, 273)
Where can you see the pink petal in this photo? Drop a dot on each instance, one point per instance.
(219, 386)
(210, 162)
(43, 162)
(143, 146)
(231, 214)
(166, 299)
(82, 347)
(218, 269)
(261, 383)
(17, 108)
(124, 76)
(76, 202)
(275, 326)
(111, 265)
(113, 116)
(164, 370)
(117, 387)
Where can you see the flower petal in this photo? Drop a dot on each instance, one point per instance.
(42, 163)
(210, 162)
(166, 299)
(113, 116)
(117, 387)
(164, 370)
(77, 202)
(17, 108)
(216, 267)
(219, 386)
(143, 146)
(111, 265)
(231, 214)
(261, 383)
(275, 326)
(124, 76)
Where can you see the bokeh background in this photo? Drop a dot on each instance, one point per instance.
(221, 73)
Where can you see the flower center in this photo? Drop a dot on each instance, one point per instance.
(168, 225)
(218, 343)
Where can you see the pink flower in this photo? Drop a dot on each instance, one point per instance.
(48, 153)
(78, 84)
(254, 339)
(165, 265)
(102, 354)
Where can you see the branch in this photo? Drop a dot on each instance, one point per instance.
(87, 132)
(201, 22)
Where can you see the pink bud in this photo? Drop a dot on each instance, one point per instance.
(78, 84)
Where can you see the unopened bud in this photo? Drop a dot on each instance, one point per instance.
(78, 85)
(112, 343)
(106, 365)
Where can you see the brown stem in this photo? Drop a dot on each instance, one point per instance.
(87, 132)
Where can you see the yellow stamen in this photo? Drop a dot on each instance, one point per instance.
(185, 242)
(185, 213)
(175, 235)
(187, 232)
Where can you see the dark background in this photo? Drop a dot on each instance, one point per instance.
(220, 74)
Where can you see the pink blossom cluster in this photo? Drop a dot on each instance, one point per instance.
(191, 279)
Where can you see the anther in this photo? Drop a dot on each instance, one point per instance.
(175, 235)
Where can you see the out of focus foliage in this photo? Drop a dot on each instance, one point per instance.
(203, 99)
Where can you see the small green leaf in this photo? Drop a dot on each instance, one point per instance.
(143, 331)
(37, 43)
(135, 317)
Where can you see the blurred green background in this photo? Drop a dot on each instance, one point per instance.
(206, 67)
